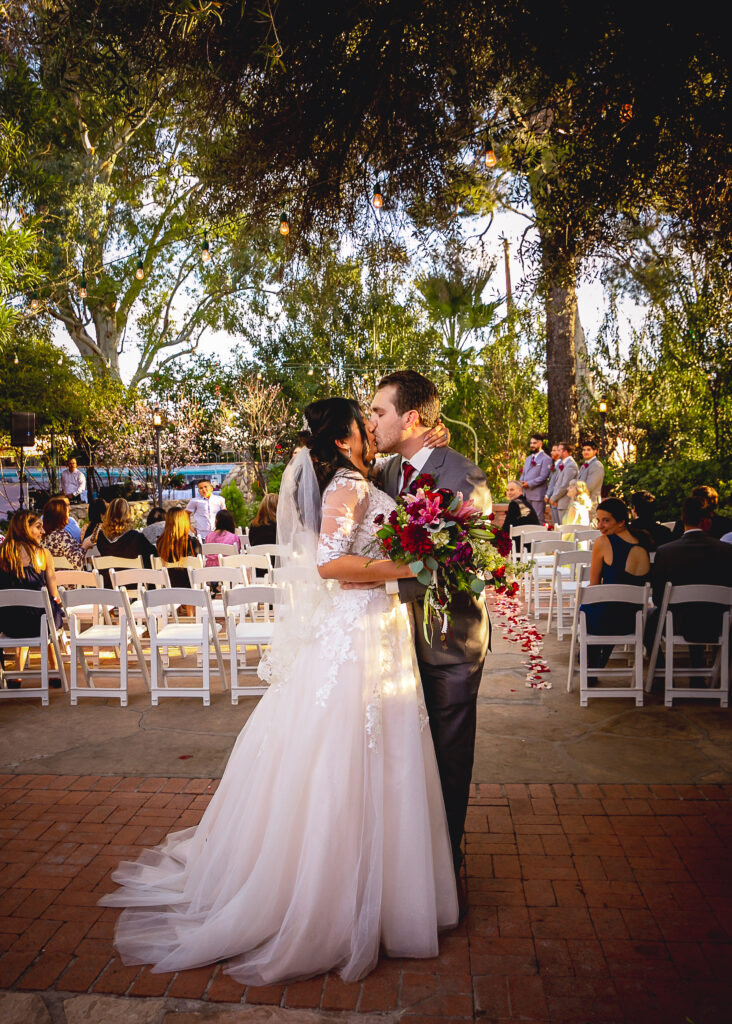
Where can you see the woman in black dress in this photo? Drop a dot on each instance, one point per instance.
(25, 565)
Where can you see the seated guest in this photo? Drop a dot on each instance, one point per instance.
(645, 517)
(72, 527)
(579, 508)
(696, 558)
(225, 533)
(155, 524)
(117, 537)
(263, 528)
(97, 508)
(518, 513)
(24, 565)
(620, 555)
(57, 541)
(176, 543)
(714, 524)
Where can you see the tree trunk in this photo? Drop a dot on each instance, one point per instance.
(561, 361)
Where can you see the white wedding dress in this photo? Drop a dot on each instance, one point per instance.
(327, 836)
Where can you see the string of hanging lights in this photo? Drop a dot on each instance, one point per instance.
(490, 160)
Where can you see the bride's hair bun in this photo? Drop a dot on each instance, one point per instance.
(330, 420)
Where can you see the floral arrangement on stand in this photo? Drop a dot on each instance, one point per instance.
(450, 546)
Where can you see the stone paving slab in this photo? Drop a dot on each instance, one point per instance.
(608, 903)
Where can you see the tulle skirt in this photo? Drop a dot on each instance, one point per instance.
(326, 838)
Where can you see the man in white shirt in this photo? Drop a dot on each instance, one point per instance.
(204, 509)
(73, 482)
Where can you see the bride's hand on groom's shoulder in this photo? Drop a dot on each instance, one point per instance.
(438, 437)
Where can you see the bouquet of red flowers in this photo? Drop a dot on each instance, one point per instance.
(449, 545)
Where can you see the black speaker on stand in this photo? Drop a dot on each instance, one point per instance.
(22, 435)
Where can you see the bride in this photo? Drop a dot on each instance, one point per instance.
(326, 838)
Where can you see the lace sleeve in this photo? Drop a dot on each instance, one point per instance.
(345, 501)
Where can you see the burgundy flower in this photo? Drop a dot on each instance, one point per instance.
(379, 519)
(424, 481)
(416, 540)
(393, 518)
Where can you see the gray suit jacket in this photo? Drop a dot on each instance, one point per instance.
(565, 476)
(593, 476)
(552, 482)
(469, 638)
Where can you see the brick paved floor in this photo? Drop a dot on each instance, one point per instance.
(587, 903)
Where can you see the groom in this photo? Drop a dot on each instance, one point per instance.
(405, 408)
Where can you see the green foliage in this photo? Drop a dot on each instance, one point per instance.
(671, 480)
(236, 504)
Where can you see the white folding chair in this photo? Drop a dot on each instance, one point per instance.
(628, 594)
(107, 562)
(226, 576)
(218, 550)
(564, 585)
(250, 623)
(666, 634)
(102, 633)
(73, 579)
(276, 553)
(542, 571)
(134, 582)
(166, 635)
(61, 563)
(38, 599)
(250, 563)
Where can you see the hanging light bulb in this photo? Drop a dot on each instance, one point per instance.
(140, 272)
(34, 300)
(378, 199)
(260, 375)
(16, 360)
(284, 224)
(60, 360)
(205, 251)
(310, 371)
(490, 154)
(82, 288)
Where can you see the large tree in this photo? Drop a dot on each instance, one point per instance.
(308, 107)
(129, 256)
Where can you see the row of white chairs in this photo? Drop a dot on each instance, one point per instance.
(559, 583)
(119, 618)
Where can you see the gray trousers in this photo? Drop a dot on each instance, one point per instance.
(450, 693)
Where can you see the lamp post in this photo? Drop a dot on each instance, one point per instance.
(603, 418)
(158, 424)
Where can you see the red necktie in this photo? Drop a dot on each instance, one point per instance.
(407, 469)
(585, 465)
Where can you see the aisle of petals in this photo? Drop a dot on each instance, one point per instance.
(517, 629)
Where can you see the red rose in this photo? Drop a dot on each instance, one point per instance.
(416, 540)
(500, 571)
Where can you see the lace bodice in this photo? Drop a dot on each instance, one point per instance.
(350, 504)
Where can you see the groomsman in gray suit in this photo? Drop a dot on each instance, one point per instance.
(592, 472)
(566, 471)
(404, 409)
(535, 474)
(552, 482)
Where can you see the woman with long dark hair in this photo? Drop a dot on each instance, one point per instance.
(326, 839)
(620, 555)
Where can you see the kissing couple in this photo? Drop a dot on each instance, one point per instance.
(336, 828)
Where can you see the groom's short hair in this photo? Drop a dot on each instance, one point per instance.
(413, 391)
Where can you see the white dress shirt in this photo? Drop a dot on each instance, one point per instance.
(73, 484)
(203, 513)
(417, 460)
